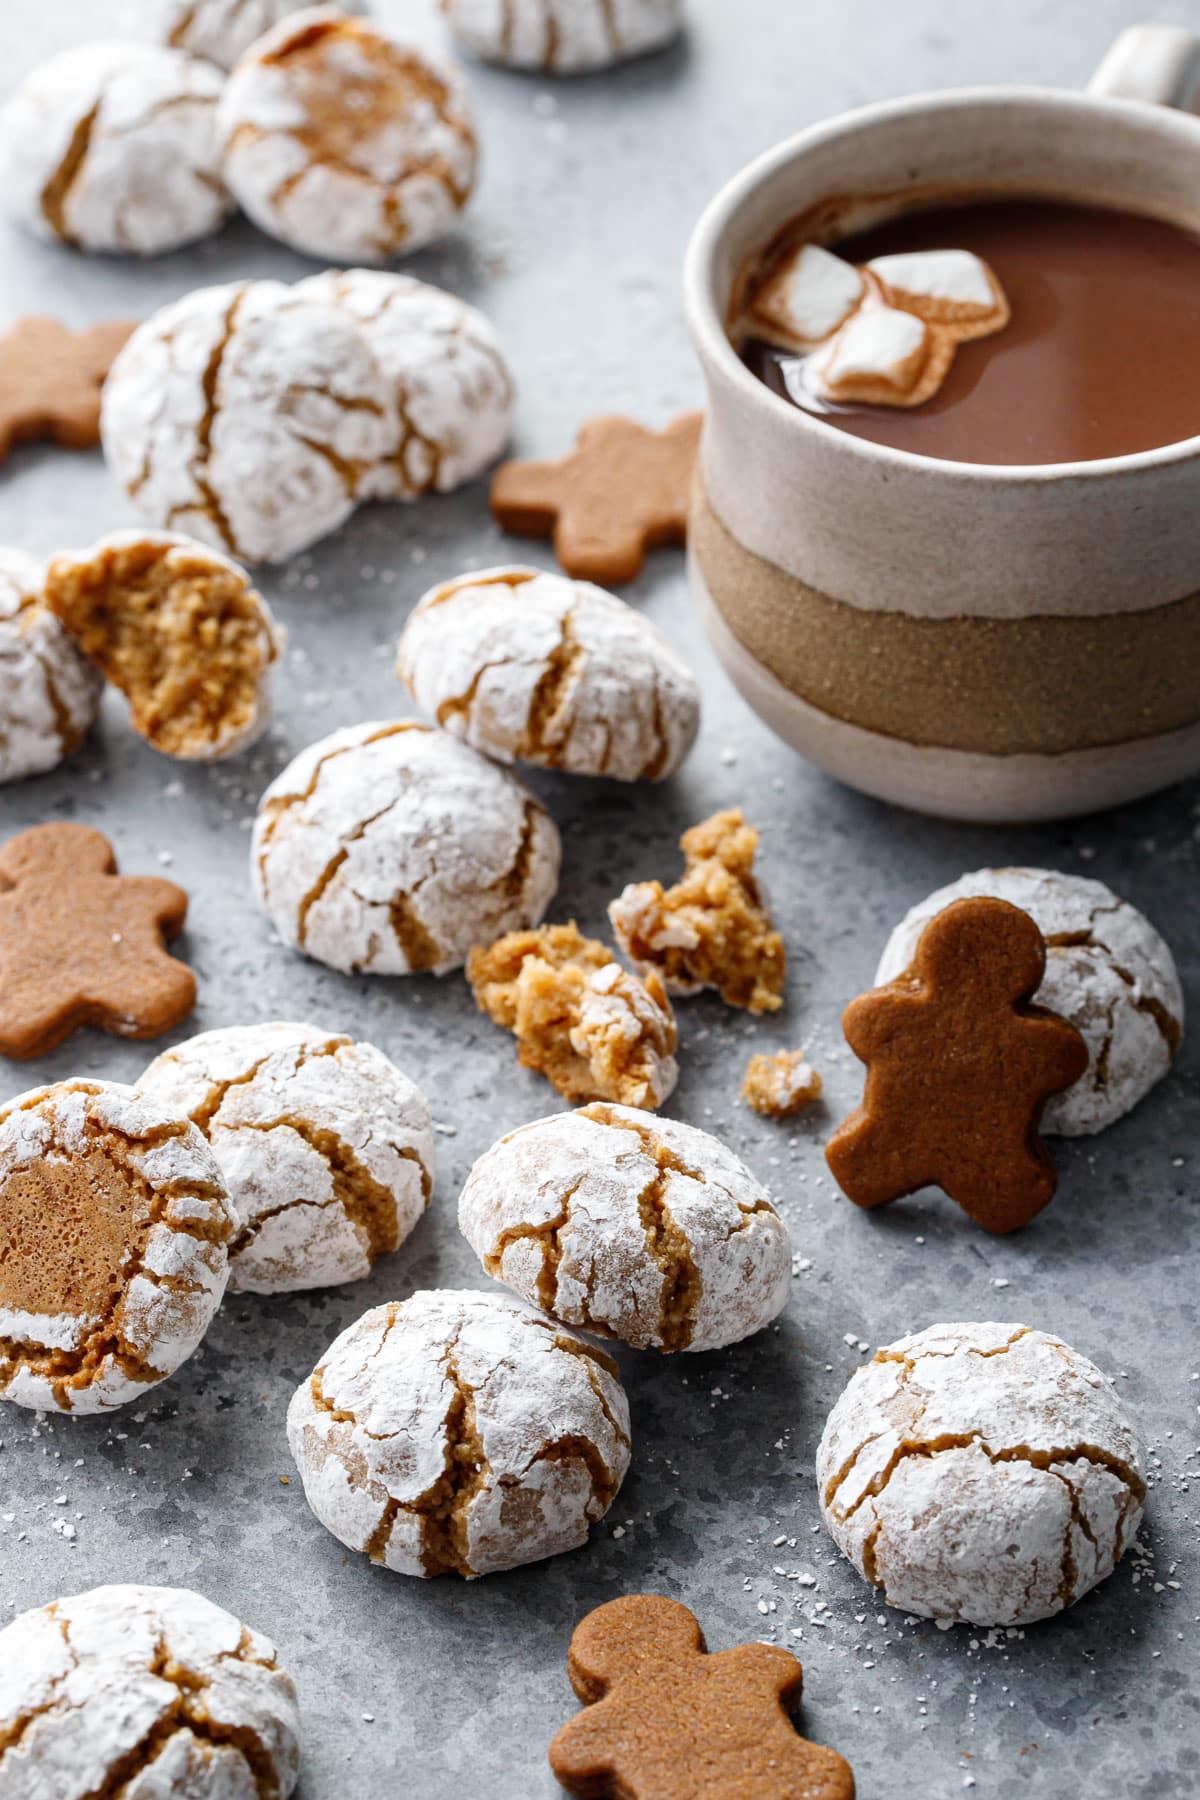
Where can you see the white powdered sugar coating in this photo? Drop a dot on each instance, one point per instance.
(389, 848)
(616, 1006)
(452, 389)
(627, 1224)
(563, 36)
(247, 416)
(326, 1148)
(460, 1433)
(152, 1693)
(177, 1227)
(49, 692)
(345, 142)
(981, 1473)
(217, 30)
(1108, 973)
(539, 668)
(113, 147)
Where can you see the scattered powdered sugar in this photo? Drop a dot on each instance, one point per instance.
(459, 1432)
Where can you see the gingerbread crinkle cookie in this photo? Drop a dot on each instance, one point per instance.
(217, 30)
(326, 1147)
(1108, 973)
(344, 142)
(149, 1693)
(114, 1231)
(563, 37)
(450, 383)
(981, 1472)
(534, 667)
(49, 692)
(460, 1433)
(390, 848)
(248, 416)
(640, 1228)
(113, 147)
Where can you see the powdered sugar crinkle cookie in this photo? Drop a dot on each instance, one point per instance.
(217, 30)
(451, 385)
(1108, 973)
(114, 1226)
(113, 147)
(624, 1223)
(180, 630)
(248, 416)
(345, 142)
(981, 1472)
(390, 848)
(327, 1149)
(49, 692)
(563, 36)
(535, 667)
(460, 1433)
(148, 1692)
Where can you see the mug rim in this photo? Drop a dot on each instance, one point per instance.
(715, 347)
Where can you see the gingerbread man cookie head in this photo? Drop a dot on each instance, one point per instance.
(664, 1720)
(959, 1068)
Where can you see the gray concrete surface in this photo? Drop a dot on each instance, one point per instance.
(443, 1689)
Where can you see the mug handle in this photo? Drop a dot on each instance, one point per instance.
(1155, 63)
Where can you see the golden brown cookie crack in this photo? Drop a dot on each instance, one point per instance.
(370, 1207)
(280, 804)
(57, 190)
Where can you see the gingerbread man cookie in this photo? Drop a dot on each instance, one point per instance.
(621, 491)
(959, 1069)
(82, 945)
(664, 1720)
(50, 380)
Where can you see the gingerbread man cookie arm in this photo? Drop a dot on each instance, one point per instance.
(868, 1031)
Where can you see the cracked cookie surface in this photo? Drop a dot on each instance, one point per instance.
(983, 1473)
(562, 37)
(640, 1228)
(391, 849)
(1108, 973)
(533, 667)
(49, 691)
(114, 1231)
(451, 385)
(113, 147)
(460, 1433)
(345, 142)
(217, 30)
(712, 929)
(326, 1148)
(247, 416)
(143, 1692)
(595, 1031)
(179, 629)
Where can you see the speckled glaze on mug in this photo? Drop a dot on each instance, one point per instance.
(979, 642)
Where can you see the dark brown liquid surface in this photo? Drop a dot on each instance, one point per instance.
(1101, 356)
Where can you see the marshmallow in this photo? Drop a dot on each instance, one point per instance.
(879, 347)
(809, 296)
(958, 277)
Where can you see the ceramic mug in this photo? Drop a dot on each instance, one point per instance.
(970, 640)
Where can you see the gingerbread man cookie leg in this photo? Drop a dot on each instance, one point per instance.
(665, 1720)
(621, 491)
(82, 945)
(959, 1068)
(50, 380)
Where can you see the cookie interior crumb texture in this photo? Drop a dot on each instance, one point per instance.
(595, 1031)
(179, 629)
(460, 1433)
(781, 1084)
(712, 929)
(144, 1692)
(643, 1229)
(983, 1473)
(114, 1233)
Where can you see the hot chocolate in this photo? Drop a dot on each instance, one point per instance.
(1100, 356)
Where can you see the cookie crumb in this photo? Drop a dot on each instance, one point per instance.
(712, 929)
(595, 1031)
(781, 1085)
